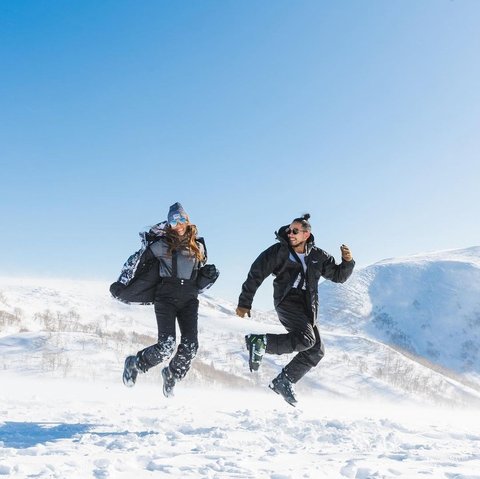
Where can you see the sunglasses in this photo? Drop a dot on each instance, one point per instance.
(294, 231)
(182, 220)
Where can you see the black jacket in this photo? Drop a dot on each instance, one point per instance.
(141, 275)
(275, 260)
(141, 287)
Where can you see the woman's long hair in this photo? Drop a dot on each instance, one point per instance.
(187, 241)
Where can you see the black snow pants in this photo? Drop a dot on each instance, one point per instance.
(303, 335)
(174, 300)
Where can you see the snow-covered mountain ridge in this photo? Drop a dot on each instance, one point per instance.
(427, 304)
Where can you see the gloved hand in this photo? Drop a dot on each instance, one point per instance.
(346, 253)
(242, 312)
(209, 270)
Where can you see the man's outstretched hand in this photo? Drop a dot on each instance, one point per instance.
(346, 253)
(242, 312)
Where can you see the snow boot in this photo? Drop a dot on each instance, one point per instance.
(130, 371)
(168, 382)
(283, 386)
(256, 345)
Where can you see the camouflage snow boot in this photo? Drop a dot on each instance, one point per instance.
(130, 371)
(256, 345)
(168, 382)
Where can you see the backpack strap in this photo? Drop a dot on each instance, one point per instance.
(202, 241)
(174, 264)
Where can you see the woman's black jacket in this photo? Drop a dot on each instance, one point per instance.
(140, 277)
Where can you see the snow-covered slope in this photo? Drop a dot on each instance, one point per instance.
(428, 305)
(62, 328)
(367, 411)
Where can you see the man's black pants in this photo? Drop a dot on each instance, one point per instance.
(303, 336)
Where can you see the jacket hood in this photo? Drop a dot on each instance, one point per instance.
(154, 233)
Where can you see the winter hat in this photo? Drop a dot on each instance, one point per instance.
(175, 213)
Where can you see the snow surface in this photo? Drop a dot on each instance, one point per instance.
(58, 428)
(369, 410)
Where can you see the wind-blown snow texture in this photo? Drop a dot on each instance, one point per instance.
(397, 394)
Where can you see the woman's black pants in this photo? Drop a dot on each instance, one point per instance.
(174, 301)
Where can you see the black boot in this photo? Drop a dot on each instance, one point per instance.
(283, 386)
(256, 345)
(168, 382)
(130, 371)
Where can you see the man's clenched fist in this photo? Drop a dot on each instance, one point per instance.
(346, 253)
(242, 312)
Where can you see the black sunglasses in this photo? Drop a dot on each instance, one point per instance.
(295, 231)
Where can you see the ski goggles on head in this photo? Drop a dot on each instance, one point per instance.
(178, 221)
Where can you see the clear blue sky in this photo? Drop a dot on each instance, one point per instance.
(364, 113)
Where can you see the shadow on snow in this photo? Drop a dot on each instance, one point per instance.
(21, 435)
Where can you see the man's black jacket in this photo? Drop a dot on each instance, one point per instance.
(276, 260)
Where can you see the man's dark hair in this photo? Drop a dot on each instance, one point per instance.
(303, 220)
